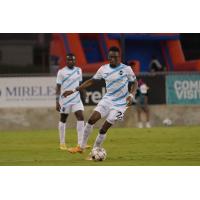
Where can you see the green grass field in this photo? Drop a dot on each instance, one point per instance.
(166, 146)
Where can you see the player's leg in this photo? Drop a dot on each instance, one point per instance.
(78, 111)
(139, 113)
(114, 115)
(79, 125)
(89, 127)
(100, 111)
(87, 130)
(102, 134)
(62, 129)
(100, 137)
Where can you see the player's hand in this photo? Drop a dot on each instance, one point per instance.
(129, 101)
(58, 106)
(67, 93)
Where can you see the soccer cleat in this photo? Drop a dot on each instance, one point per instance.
(63, 147)
(77, 149)
(86, 147)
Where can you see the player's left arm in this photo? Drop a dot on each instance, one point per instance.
(134, 85)
(133, 90)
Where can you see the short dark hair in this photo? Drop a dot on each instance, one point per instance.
(70, 55)
(113, 48)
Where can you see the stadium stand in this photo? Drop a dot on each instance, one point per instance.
(91, 50)
(39, 53)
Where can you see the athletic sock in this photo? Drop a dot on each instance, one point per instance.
(61, 128)
(87, 130)
(99, 140)
(80, 131)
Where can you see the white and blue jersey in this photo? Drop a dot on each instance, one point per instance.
(116, 80)
(69, 79)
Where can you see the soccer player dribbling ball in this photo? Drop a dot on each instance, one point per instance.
(114, 103)
(67, 78)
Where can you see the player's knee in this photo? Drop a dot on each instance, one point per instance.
(92, 120)
(80, 118)
(102, 131)
(94, 117)
(63, 118)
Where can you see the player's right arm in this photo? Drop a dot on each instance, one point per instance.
(83, 86)
(58, 88)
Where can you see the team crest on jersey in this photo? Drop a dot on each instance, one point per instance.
(78, 72)
(120, 72)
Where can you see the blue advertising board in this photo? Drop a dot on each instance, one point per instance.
(183, 89)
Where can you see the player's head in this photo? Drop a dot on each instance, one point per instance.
(70, 60)
(114, 56)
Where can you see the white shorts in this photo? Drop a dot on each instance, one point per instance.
(113, 114)
(72, 108)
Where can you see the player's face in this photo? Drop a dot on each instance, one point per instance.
(71, 61)
(114, 58)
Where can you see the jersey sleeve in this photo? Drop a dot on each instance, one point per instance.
(130, 74)
(59, 78)
(98, 74)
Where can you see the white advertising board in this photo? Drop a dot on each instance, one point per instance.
(27, 92)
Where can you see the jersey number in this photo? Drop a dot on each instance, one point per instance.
(119, 115)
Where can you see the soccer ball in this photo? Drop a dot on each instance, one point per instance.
(167, 122)
(98, 154)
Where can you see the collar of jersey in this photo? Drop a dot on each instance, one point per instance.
(69, 68)
(115, 67)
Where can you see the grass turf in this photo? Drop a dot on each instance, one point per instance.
(171, 146)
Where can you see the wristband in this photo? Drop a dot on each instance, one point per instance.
(131, 95)
(74, 90)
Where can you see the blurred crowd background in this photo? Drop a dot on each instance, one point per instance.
(28, 53)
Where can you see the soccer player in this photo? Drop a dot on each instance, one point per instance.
(114, 103)
(68, 78)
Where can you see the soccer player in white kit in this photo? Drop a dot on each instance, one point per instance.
(114, 103)
(68, 78)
